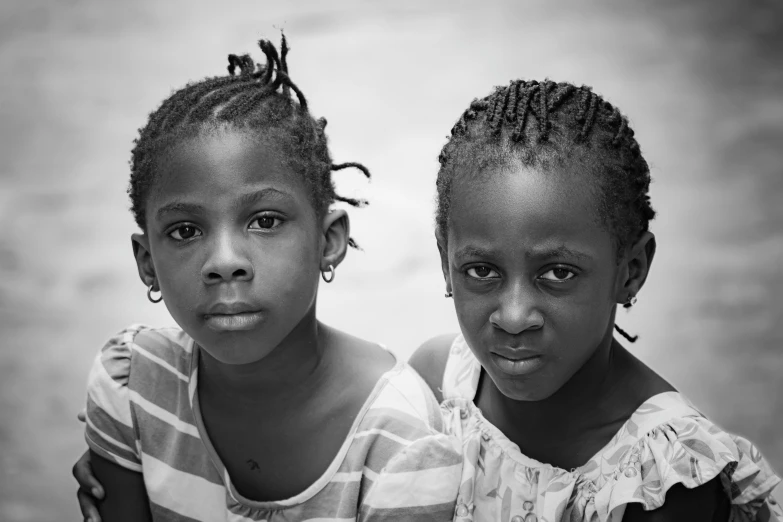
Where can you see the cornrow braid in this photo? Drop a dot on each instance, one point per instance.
(589, 117)
(543, 114)
(522, 111)
(572, 124)
(254, 98)
(561, 93)
(500, 110)
(513, 102)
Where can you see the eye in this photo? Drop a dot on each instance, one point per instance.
(183, 232)
(482, 272)
(265, 222)
(559, 275)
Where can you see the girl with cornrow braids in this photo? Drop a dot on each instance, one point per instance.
(543, 229)
(252, 409)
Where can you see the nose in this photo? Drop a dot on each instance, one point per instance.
(226, 261)
(517, 310)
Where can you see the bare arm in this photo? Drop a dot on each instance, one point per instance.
(125, 498)
(429, 361)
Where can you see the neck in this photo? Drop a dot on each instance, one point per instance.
(289, 372)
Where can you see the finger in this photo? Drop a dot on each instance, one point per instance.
(88, 507)
(82, 472)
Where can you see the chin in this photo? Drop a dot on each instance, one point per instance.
(234, 348)
(237, 355)
(523, 391)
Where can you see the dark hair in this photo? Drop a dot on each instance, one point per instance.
(541, 124)
(544, 124)
(257, 99)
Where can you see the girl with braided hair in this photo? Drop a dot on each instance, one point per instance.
(252, 409)
(543, 229)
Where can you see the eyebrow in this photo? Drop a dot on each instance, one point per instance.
(262, 195)
(559, 251)
(244, 200)
(472, 251)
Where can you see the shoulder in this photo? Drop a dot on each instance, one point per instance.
(420, 482)
(158, 346)
(429, 361)
(110, 429)
(669, 462)
(134, 360)
(114, 358)
(415, 466)
(405, 402)
(138, 363)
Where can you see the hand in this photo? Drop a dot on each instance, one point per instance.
(90, 491)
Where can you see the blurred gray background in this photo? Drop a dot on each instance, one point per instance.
(700, 80)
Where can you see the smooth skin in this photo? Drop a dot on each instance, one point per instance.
(229, 224)
(533, 269)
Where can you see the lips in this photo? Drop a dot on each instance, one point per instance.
(516, 361)
(236, 307)
(233, 316)
(515, 354)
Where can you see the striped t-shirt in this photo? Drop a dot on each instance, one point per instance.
(142, 414)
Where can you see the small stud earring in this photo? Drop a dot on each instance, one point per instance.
(449, 294)
(149, 296)
(631, 300)
(330, 270)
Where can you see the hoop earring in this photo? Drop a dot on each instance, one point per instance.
(149, 296)
(331, 274)
(449, 294)
(631, 301)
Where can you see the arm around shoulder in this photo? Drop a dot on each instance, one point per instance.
(429, 361)
(111, 433)
(126, 498)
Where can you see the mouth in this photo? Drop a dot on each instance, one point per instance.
(233, 317)
(516, 362)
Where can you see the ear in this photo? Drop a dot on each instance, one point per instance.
(444, 259)
(141, 251)
(336, 231)
(636, 267)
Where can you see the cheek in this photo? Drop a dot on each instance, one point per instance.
(291, 284)
(473, 314)
(179, 276)
(580, 323)
(291, 272)
(181, 288)
(577, 324)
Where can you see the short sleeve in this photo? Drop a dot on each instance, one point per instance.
(419, 483)
(110, 428)
(690, 451)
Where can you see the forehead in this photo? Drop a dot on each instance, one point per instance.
(222, 163)
(521, 208)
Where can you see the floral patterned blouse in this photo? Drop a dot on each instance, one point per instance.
(665, 442)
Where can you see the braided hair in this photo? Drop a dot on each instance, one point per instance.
(252, 97)
(547, 124)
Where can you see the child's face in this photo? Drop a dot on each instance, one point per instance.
(534, 275)
(234, 243)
